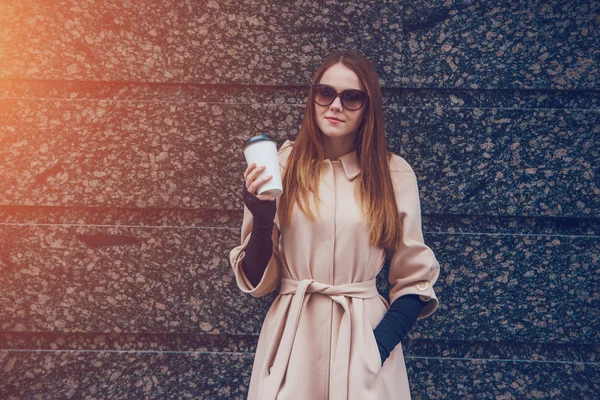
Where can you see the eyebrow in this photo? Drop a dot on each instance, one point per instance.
(327, 84)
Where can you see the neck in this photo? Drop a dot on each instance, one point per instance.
(334, 148)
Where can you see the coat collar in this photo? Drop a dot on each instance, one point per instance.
(351, 164)
(349, 160)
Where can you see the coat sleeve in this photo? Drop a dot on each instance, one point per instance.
(414, 268)
(271, 276)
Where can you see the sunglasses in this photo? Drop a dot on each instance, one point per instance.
(352, 99)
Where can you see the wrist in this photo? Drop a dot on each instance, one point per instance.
(260, 224)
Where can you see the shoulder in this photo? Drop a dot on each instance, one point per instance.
(399, 166)
(284, 152)
(405, 184)
(403, 176)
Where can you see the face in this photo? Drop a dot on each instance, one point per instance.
(341, 78)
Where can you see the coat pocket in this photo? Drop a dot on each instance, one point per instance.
(375, 348)
(371, 349)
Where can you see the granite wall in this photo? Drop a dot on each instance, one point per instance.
(120, 168)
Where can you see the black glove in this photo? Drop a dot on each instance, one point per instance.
(396, 323)
(260, 245)
(263, 211)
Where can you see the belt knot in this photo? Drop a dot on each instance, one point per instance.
(341, 358)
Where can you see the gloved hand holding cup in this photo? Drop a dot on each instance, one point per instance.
(262, 177)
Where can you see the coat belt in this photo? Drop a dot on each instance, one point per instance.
(339, 372)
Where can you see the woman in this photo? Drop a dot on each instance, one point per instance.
(347, 204)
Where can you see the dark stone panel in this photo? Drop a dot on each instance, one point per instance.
(206, 42)
(124, 375)
(461, 44)
(212, 301)
(491, 379)
(476, 45)
(85, 279)
(90, 153)
(279, 43)
(94, 41)
(561, 279)
(111, 154)
(175, 375)
(503, 44)
(217, 133)
(245, 95)
(422, 44)
(260, 57)
(314, 16)
(541, 289)
(129, 280)
(570, 33)
(132, 154)
(176, 280)
(502, 161)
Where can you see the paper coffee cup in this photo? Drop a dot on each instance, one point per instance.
(262, 150)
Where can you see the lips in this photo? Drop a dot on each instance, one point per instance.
(334, 119)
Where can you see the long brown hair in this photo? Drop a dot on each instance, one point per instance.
(373, 188)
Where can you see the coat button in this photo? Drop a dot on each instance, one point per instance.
(422, 285)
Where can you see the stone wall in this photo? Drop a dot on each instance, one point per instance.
(121, 126)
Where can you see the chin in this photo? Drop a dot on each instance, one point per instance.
(335, 134)
(328, 131)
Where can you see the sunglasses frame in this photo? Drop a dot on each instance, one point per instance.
(340, 95)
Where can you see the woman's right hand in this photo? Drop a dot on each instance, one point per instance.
(252, 184)
(261, 206)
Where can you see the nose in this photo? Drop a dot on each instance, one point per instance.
(337, 103)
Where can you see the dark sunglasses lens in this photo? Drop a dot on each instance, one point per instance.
(353, 99)
(324, 95)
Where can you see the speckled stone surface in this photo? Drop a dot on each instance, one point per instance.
(120, 161)
(491, 379)
(515, 159)
(530, 288)
(174, 375)
(452, 44)
(504, 44)
(125, 280)
(124, 375)
(502, 161)
(131, 154)
(91, 40)
(178, 280)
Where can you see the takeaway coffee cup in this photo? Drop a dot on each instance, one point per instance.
(262, 150)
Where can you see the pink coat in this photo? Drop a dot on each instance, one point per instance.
(317, 339)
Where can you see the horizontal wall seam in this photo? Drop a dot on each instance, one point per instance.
(251, 354)
(432, 233)
(298, 105)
